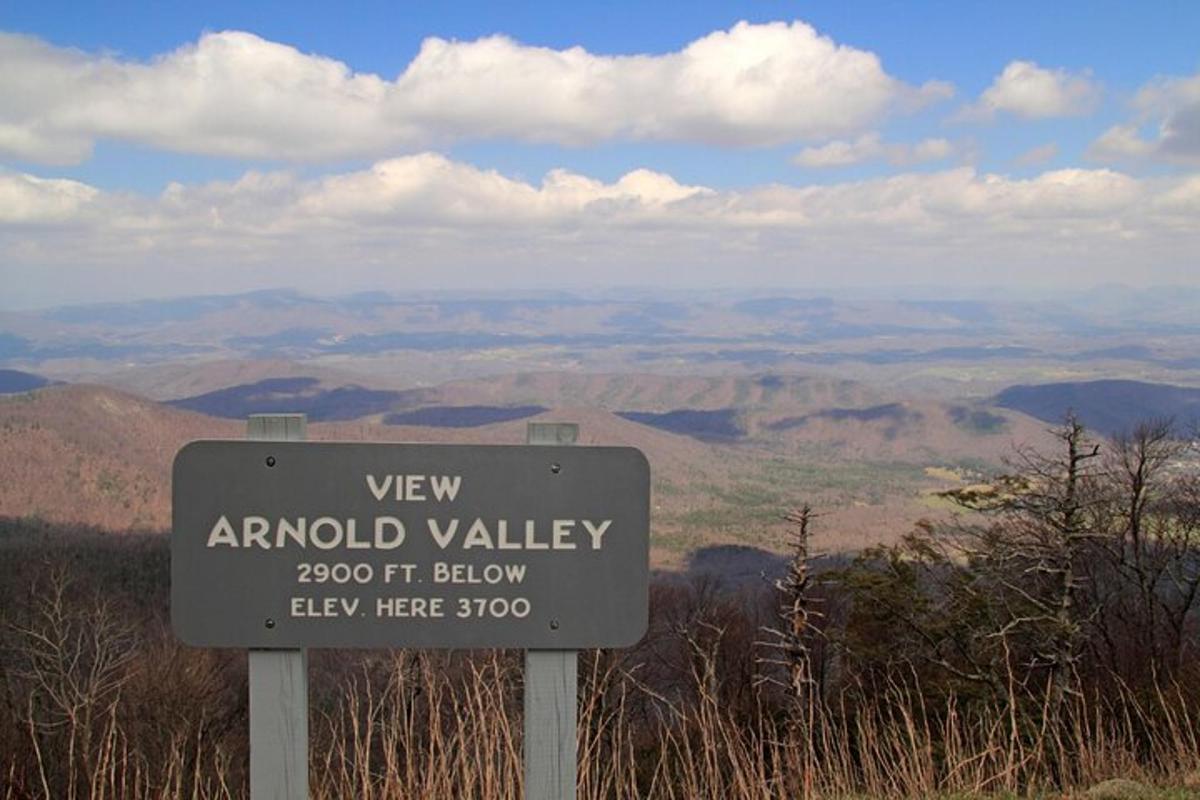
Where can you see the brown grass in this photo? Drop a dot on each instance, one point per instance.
(410, 724)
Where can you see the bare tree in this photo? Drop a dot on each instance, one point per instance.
(1134, 468)
(1035, 554)
(74, 660)
(791, 641)
(1159, 535)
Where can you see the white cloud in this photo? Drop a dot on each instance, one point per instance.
(1121, 142)
(1171, 106)
(840, 153)
(431, 189)
(237, 95)
(871, 147)
(430, 221)
(1033, 92)
(29, 199)
(230, 94)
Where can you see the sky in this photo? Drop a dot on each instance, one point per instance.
(165, 149)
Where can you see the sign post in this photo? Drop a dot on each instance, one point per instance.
(280, 544)
(551, 687)
(278, 679)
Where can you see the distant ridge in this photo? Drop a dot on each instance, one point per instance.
(706, 425)
(97, 456)
(462, 416)
(1106, 406)
(13, 381)
(302, 395)
(892, 412)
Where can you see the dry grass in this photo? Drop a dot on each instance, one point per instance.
(428, 725)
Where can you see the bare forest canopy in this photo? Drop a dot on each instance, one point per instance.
(1046, 642)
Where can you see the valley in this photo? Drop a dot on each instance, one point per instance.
(864, 407)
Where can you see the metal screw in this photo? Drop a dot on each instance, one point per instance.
(556, 468)
(270, 461)
(553, 624)
(270, 623)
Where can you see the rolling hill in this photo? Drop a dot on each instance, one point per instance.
(93, 455)
(1107, 406)
(772, 411)
(13, 381)
(175, 380)
(96, 455)
(303, 395)
(653, 393)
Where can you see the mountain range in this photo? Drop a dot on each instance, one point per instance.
(727, 454)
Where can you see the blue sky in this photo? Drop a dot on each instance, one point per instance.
(1125, 44)
(152, 149)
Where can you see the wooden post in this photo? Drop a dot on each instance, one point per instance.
(278, 680)
(551, 686)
